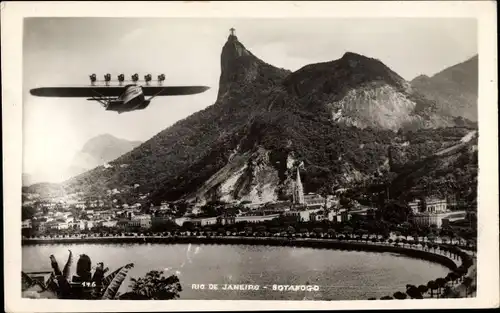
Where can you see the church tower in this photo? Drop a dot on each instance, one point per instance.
(298, 192)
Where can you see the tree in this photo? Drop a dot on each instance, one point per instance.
(318, 230)
(345, 202)
(440, 282)
(155, 286)
(432, 286)
(422, 289)
(413, 292)
(27, 212)
(86, 285)
(188, 226)
(347, 230)
(399, 295)
(331, 232)
(394, 212)
(467, 283)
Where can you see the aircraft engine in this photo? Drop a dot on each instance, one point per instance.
(121, 78)
(107, 78)
(93, 78)
(147, 78)
(161, 78)
(135, 78)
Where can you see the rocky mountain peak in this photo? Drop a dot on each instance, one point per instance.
(235, 58)
(241, 67)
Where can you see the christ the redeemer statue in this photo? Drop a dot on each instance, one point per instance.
(232, 31)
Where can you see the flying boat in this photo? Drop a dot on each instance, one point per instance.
(125, 96)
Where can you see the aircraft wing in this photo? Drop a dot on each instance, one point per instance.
(76, 92)
(114, 91)
(172, 90)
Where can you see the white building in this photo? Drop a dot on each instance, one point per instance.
(204, 221)
(427, 218)
(62, 225)
(143, 221)
(86, 224)
(110, 224)
(301, 215)
(255, 218)
(429, 204)
(180, 221)
(435, 205)
(314, 200)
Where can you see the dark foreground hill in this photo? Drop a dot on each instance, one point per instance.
(338, 118)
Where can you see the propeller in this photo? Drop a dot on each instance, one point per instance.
(107, 78)
(121, 78)
(161, 78)
(93, 78)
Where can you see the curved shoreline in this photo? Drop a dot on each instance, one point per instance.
(269, 241)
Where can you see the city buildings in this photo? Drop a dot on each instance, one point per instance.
(429, 205)
(313, 200)
(433, 211)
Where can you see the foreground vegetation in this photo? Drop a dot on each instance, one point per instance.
(86, 285)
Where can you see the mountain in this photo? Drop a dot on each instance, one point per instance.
(98, 151)
(449, 171)
(95, 152)
(337, 118)
(455, 89)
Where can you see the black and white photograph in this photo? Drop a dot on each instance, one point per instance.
(304, 159)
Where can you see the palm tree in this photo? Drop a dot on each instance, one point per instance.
(423, 289)
(449, 277)
(441, 282)
(432, 286)
(455, 276)
(94, 286)
(85, 284)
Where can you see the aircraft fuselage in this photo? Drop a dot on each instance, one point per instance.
(132, 99)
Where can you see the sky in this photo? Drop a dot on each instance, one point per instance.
(65, 51)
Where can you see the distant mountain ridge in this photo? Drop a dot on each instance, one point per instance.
(338, 118)
(95, 152)
(98, 151)
(455, 89)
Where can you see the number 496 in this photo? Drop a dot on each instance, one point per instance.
(88, 284)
